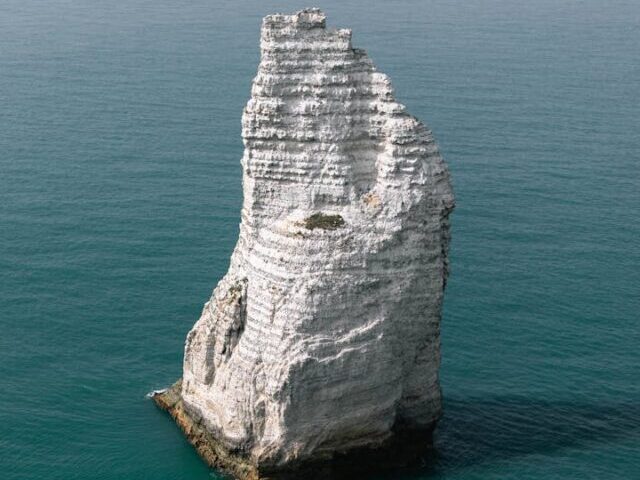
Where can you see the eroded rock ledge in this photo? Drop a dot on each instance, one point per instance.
(321, 344)
(405, 450)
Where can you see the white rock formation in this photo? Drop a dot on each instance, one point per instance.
(324, 334)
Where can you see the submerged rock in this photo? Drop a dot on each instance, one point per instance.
(321, 343)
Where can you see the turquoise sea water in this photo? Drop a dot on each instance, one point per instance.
(120, 196)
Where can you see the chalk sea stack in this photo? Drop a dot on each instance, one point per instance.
(319, 350)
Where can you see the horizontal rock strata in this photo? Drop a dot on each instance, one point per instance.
(322, 340)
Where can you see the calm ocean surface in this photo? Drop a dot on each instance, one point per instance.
(119, 207)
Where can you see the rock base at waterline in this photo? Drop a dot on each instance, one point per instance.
(407, 449)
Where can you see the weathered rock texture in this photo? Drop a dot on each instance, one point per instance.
(323, 337)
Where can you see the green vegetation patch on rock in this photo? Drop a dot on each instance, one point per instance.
(326, 222)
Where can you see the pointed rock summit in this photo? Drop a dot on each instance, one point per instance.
(321, 344)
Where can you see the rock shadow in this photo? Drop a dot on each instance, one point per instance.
(475, 431)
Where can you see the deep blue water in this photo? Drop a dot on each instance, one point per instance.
(120, 196)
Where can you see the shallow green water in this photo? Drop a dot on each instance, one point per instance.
(120, 196)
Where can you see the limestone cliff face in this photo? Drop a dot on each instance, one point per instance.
(323, 336)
